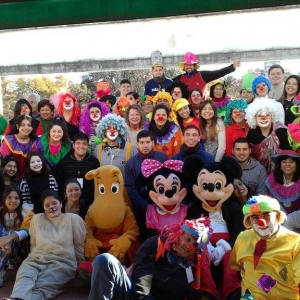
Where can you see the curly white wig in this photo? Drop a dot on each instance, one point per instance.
(118, 121)
(261, 106)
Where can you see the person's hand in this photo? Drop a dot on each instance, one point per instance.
(5, 240)
(236, 64)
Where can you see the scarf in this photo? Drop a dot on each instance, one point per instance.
(190, 150)
(45, 124)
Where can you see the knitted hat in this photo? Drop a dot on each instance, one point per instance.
(258, 80)
(247, 82)
(239, 104)
(179, 103)
(260, 204)
(189, 59)
(156, 59)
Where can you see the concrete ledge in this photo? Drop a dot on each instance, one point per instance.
(145, 63)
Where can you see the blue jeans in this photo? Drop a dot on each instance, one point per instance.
(109, 279)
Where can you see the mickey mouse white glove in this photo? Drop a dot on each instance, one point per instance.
(216, 253)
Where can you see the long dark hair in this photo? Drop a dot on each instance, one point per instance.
(284, 94)
(19, 219)
(278, 173)
(59, 121)
(180, 120)
(45, 168)
(17, 110)
(18, 121)
(68, 181)
(203, 122)
(6, 160)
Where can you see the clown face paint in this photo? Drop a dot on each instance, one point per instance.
(264, 224)
(95, 114)
(186, 245)
(177, 93)
(238, 116)
(52, 207)
(36, 164)
(160, 118)
(68, 103)
(262, 90)
(112, 132)
(196, 97)
(263, 120)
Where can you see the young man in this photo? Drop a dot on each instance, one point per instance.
(76, 165)
(254, 173)
(276, 76)
(134, 181)
(159, 82)
(199, 79)
(125, 87)
(192, 146)
(267, 254)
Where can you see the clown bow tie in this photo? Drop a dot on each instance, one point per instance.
(149, 166)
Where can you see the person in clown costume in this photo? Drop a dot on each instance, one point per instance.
(113, 149)
(267, 136)
(294, 128)
(68, 108)
(267, 254)
(91, 116)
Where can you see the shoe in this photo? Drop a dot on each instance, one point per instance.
(2, 277)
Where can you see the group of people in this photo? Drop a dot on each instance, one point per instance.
(49, 146)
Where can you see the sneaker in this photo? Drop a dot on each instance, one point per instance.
(2, 276)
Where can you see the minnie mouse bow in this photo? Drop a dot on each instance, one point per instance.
(149, 166)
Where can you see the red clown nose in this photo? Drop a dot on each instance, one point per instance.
(160, 118)
(261, 88)
(261, 223)
(23, 110)
(189, 247)
(67, 102)
(238, 113)
(176, 93)
(263, 117)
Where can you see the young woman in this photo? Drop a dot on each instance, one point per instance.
(46, 112)
(284, 182)
(53, 257)
(9, 170)
(54, 144)
(135, 119)
(212, 129)
(23, 107)
(37, 181)
(10, 219)
(236, 125)
(290, 91)
(217, 93)
(178, 89)
(19, 142)
(167, 135)
(73, 202)
(196, 98)
(241, 193)
(90, 118)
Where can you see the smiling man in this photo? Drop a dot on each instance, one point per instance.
(75, 165)
(276, 77)
(267, 254)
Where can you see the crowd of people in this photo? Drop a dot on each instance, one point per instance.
(49, 146)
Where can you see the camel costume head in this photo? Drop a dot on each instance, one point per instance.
(108, 209)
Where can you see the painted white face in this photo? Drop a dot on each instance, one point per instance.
(68, 103)
(196, 97)
(263, 120)
(36, 164)
(95, 114)
(264, 224)
(112, 132)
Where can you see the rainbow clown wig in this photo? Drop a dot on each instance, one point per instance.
(264, 106)
(86, 123)
(111, 119)
(239, 104)
(260, 79)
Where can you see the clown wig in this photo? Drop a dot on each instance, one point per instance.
(239, 104)
(179, 84)
(121, 103)
(76, 110)
(115, 120)
(261, 106)
(162, 95)
(258, 80)
(85, 124)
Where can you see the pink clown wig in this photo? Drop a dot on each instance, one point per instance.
(85, 124)
(76, 110)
